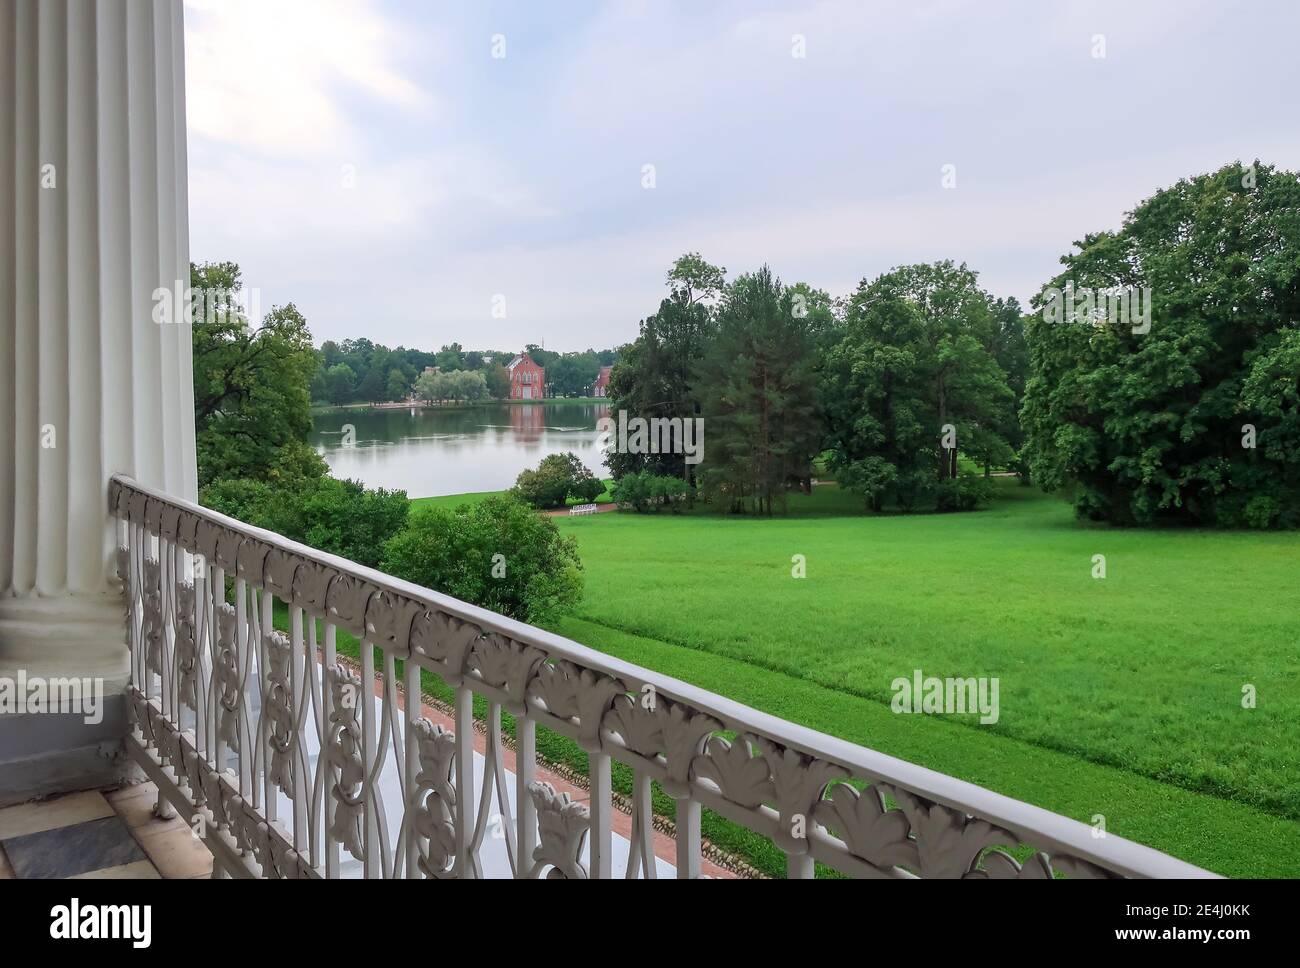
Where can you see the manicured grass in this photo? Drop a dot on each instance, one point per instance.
(455, 500)
(1120, 697)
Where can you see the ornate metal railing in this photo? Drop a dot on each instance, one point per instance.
(278, 754)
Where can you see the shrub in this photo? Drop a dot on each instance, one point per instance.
(557, 478)
(339, 517)
(587, 486)
(964, 493)
(497, 554)
(870, 478)
(632, 491)
(644, 490)
(346, 519)
(667, 491)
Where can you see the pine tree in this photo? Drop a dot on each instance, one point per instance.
(757, 391)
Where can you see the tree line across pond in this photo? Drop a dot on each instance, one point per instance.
(360, 371)
(1156, 377)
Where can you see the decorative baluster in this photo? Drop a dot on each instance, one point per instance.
(260, 634)
(467, 863)
(278, 717)
(330, 773)
(640, 849)
(688, 839)
(602, 817)
(346, 753)
(369, 733)
(525, 773)
(562, 827)
(167, 629)
(299, 705)
(494, 786)
(312, 669)
(389, 735)
(212, 602)
(247, 782)
(411, 770)
(151, 630)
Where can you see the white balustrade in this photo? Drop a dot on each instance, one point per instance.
(293, 764)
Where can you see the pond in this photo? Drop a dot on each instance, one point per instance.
(455, 450)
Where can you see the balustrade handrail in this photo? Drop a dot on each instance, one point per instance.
(776, 777)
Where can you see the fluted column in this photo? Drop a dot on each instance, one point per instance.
(93, 220)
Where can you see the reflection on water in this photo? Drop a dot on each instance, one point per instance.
(456, 450)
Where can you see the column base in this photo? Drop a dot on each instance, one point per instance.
(69, 739)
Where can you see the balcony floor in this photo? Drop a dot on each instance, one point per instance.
(98, 835)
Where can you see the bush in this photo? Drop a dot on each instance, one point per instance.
(870, 478)
(346, 519)
(497, 554)
(587, 487)
(339, 517)
(964, 493)
(645, 490)
(557, 478)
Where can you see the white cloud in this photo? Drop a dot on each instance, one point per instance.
(269, 74)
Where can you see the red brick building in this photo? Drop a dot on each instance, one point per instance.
(527, 379)
(601, 387)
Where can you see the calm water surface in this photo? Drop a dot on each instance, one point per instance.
(431, 452)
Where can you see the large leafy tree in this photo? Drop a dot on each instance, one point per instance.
(252, 408)
(1158, 424)
(654, 375)
(916, 367)
(757, 392)
(572, 374)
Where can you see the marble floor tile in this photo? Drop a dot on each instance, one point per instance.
(76, 849)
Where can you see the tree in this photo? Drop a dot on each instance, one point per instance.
(252, 401)
(498, 554)
(468, 385)
(1190, 411)
(340, 383)
(696, 279)
(498, 382)
(459, 385)
(373, 385)
(572, 374)
(449, 358)
(912, 379)
(654, 375)
(1009, 348)
(543, 358)
(399, 386)
(757, 389)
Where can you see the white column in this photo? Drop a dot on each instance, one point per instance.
(93, 219)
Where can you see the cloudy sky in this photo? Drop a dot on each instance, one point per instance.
(380, 164)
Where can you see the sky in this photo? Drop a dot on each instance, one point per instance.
(424, 173)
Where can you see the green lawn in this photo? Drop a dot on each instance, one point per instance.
(455, 500)
(1119, 697)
